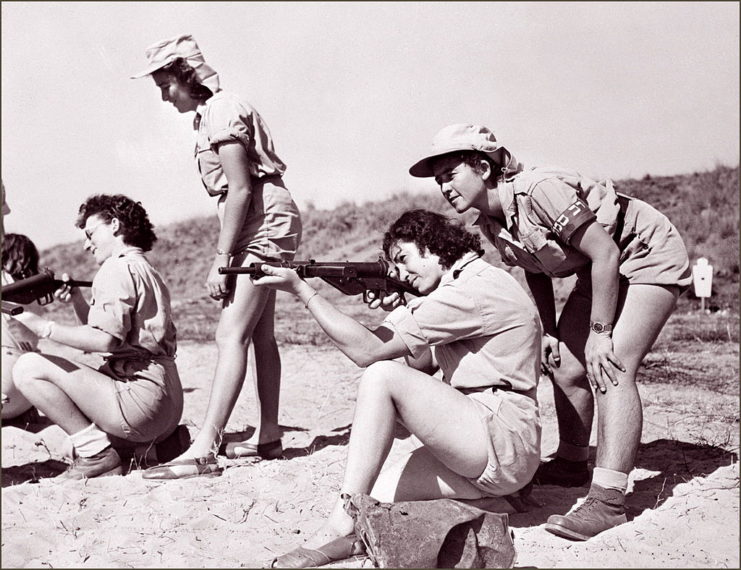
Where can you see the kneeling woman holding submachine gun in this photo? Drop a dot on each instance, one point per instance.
(136, 395)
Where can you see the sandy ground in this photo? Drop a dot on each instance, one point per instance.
(684, 506)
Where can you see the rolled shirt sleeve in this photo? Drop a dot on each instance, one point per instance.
(227, 123)
(226, 118)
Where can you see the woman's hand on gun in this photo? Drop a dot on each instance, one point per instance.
(280, 278)
(386, 302)
(65, 292)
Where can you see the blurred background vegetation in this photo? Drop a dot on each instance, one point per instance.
(703, 205)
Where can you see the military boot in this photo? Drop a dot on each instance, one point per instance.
(600, 511)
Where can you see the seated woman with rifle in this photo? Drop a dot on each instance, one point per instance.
(136, 395)
(20, 261)
(479, 427)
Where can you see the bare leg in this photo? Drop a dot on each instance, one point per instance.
(267, 377)
(17, 403)
(69, 394)
(444, 420)
(644, 313)
(572, 393)
(239, 317)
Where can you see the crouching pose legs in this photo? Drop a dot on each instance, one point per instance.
(136, 395)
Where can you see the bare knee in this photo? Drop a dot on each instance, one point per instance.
(230, 337)
(27, 371)
(570, 375)
(377, 375)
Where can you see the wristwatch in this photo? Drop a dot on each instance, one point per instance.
(598, 327)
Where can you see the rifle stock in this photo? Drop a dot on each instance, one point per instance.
(349, 277)
(39, 287)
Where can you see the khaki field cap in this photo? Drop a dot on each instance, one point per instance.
(454, 138)
(166, 51)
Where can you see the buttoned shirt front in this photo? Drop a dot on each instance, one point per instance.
(483, 327)
(226, 118)
(131, 302)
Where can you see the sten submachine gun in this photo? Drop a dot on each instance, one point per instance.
(39, 287)
(350, 277)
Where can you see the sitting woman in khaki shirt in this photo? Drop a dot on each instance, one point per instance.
(136, 395)
(479, 427)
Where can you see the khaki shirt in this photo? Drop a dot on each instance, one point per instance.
(543, 207)
(131, 302)
(483, 327)
(224, 118)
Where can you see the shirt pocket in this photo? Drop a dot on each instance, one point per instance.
(548, 253)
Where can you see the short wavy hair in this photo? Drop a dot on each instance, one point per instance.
(443, 237)
(186, 74)
(136, 228)
(20, 256)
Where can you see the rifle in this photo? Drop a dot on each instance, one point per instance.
(39, 287)
(350, 277)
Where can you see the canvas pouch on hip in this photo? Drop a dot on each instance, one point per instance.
(441, 533)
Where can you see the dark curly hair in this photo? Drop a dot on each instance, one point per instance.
(443, 237)
(136, 228)
(20, 256)
(186, 74)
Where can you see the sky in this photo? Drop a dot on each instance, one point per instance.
(353, 93)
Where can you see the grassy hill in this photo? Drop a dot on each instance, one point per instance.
(704, 206)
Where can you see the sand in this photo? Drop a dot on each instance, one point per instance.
(684, 506)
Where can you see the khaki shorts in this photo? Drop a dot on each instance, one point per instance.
(150, 397)
(512, 423)
(654, 252)
(272, 228)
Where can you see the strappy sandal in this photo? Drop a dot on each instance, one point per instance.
(185, 468)
(337, 549)
(238, 449)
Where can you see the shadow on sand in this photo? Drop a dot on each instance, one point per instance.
(667, 462)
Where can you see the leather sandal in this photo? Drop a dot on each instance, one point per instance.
(185, 468)
(238, 449)
(337, 549)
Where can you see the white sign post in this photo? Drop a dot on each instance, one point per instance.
(702, 277)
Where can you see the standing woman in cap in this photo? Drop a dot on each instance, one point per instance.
(631, 266)
(259, 221)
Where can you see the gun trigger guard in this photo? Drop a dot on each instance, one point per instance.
(45, 299)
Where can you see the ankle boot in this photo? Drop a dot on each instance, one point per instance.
(603, 509)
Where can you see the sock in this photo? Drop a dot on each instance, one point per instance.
(609, 479)
(89, 441)
(572, 452)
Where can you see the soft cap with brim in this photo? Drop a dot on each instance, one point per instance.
(166, 51)
(458, 137)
